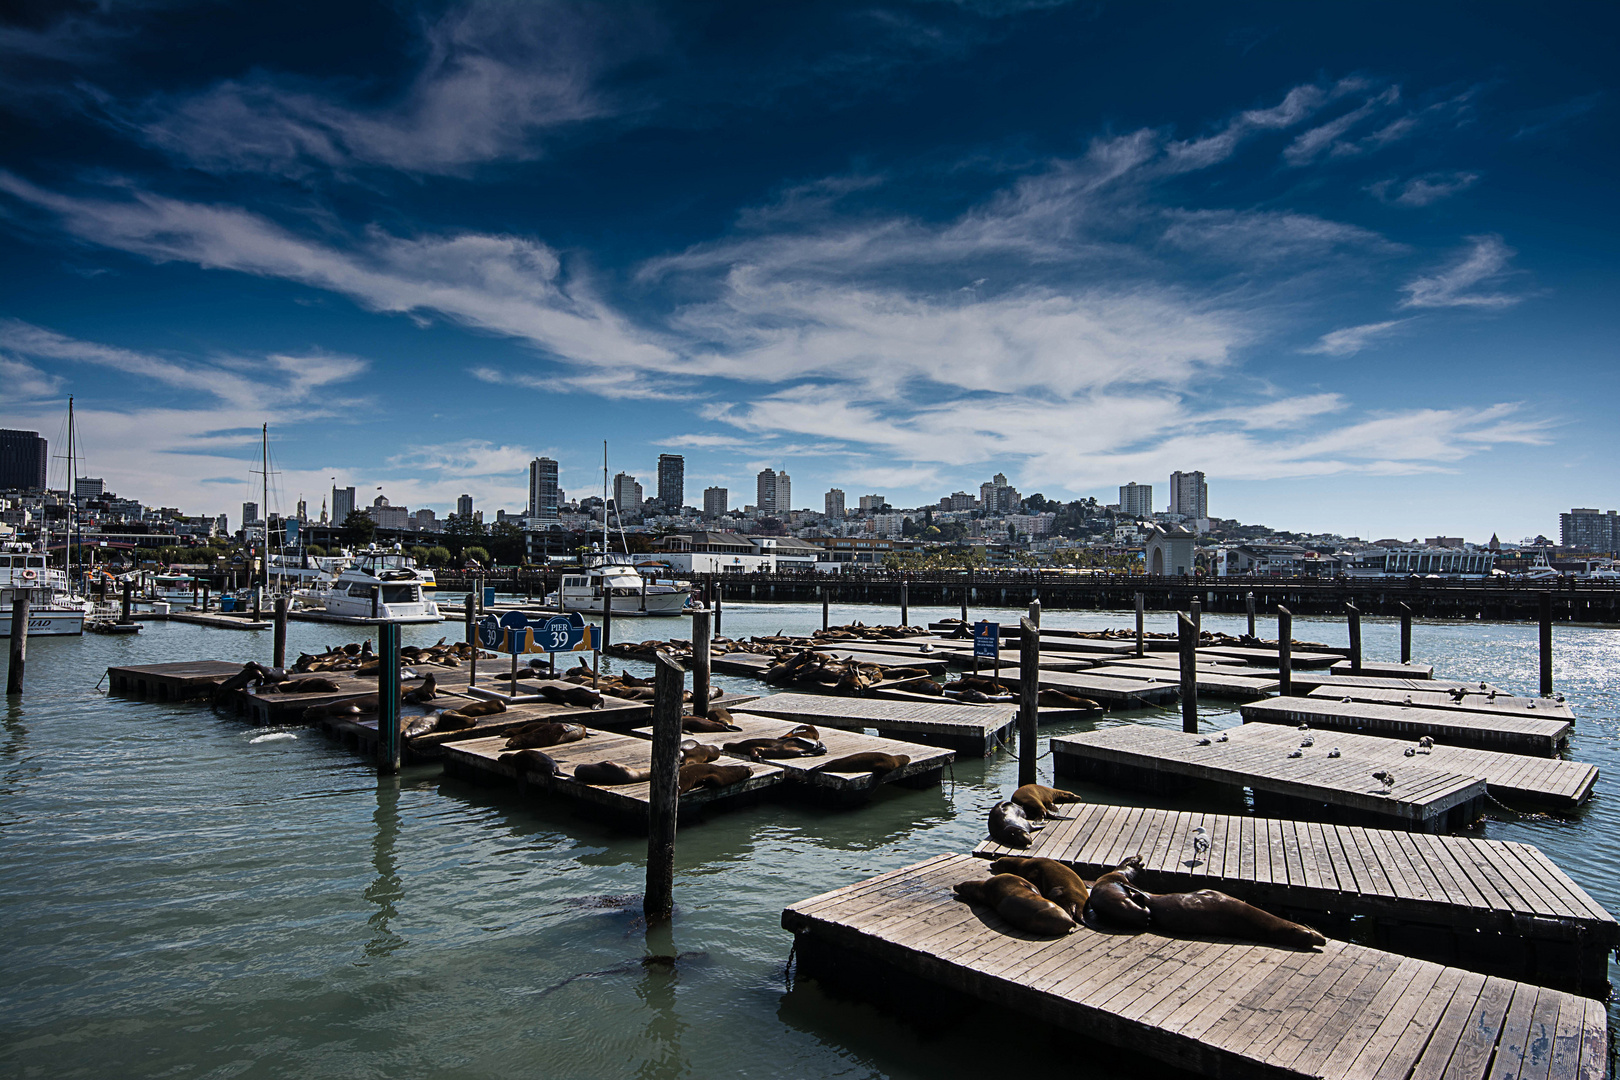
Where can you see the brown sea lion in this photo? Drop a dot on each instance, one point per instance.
(1056, 881)
(534, 736)
(423, 694)
(314, 684)
(413, 727)
(1010, 826)
(582, 697)
(803, 731)
(1205, 913)
(485, 707)
(609, 773)
(1115, 900)
(705, 774)
(533, 761)
(1018, 901)
(717, 720)
(454, 720)
(1058, 699)
(1038, 801)
(870, 761)
(694, 752)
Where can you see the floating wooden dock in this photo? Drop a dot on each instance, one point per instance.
(1311, 680)
(967, 728)
(1269, 657)
(1510, 733)
(1212, 681)
(183, 681)
(805, 774)
(1520, 777)
(1422, 798)
(1133, 692)
(1435, 699)
(1218, 1008)
(1494, 907)
(478, 761)
(219, 621)
(1382, 670)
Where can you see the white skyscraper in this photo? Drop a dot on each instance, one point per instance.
(543, 491)
(1136, 500)
(1189, 494)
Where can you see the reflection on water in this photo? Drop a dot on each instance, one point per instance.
(184, 901)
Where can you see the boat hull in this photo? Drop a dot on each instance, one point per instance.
(657, 604)
(47, 622)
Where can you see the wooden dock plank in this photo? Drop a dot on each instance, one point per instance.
(1384, 670)
(1212, 682)
(1539, 736)
(1300, 659)
(959, 725)
(1436, 699)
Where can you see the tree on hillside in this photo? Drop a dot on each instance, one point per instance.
(358, 529)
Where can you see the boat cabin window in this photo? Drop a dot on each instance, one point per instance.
(359, 589)
(399, 594)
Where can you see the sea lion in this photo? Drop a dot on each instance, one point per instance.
(784, 747)
(582, 697)
(694, 752)
(870, 761)
(1058, 699)
(1009, 825)
(717, 720)
(1205, 913)
(455, 720)
(314, 684)
(609, 773)
(1056, 881)
(1020, 903)
(1115, 900)
(533, 736)
(697, 774)
(486, 707)
(803, 731)
(423, 694)
(533, 761)
(1038, 802)
(413, 727)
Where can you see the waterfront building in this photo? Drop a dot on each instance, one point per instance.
(1587, 529)
(1169, 549)
(671, 482)
(89, 487)
(1419, 560)
(1189, 495)
(543, 491)
(23, 460)
(716, 501)
(1136, 500)
(464, 508)
(342, 504)
(834, 504)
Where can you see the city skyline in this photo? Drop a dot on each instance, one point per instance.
(1361, 281)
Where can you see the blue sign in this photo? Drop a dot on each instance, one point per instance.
(986, 639)
(561, 633)
(489, 632)
(514, 633)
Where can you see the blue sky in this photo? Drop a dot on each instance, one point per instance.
(1356, 262)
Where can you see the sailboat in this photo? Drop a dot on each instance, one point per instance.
(54, 608)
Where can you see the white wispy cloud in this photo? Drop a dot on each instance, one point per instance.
(25, 382)
(1458, 285)
(1351, 339)
(1423, 190)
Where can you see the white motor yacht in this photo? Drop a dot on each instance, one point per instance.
(379, 585)
(630, 593)
(53, 610)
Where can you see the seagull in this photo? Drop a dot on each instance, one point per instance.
(1309, 740)
(1457, 693)
(1482, 686)
(1200, 840)
(1410, 752)
(1296, 753)
(1408, 699)
(1385, 777)
(1346, 698)
(1306, 727)
(1203, 742)
(1491, 696)
(1333, 752)
(1222, 737)
(1530, 705)
(1426, 743)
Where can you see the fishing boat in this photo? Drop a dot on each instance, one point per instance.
(379, 585)
(53, 610)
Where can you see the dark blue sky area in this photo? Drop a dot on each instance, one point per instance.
(1353, 261)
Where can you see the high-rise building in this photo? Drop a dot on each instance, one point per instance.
(342, 504)
(387, 515)
(89, 487)
(250, 514)
(871, 504)
(464, 509)
(834, 503)
(22, 460)
(765, 492)
(716, 501)
(543, 493)
(303, 511)
(671, 482)
(626, 494)
(784, 495)
(1189, 495)
(1136, 500)
(1589, 530)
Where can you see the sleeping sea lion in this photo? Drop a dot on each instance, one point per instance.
(1205, 913)
(1058, 699)
(705, 774)
(1038, 801)
(694, 752)
(423, 694)
(416, 726)
(365, 703)
(1115, 900)
(1018, 901)
(1055, 881)
(314, 684)
(609, 773)
(486, 707)
(700, 724)
(533, 761)
(1009, 825)
(870, 761)
(454, 720)
(533, 736)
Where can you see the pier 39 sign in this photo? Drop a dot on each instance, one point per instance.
(514, 633)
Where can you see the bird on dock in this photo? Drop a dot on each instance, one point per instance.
(1222, 737)
(1385, 777)
(1345, 699)
(1200, 842)
(1426, 744)
(1408, 700)
(1203, 742)
(1457, 693)
(1333, 752)
(1309, 740)
(1411, 751)
(1303, 726)
(1491, 696)
(1296, 753)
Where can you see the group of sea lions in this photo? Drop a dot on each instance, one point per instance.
(980, 689)
(1044, 896)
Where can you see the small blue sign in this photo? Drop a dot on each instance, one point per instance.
(489, 632)
(561, 633)
(986, 639)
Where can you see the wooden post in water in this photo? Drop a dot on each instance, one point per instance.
(905, 604)
(1406, 632)
(472, 639)
(1035, 615)
(1195, 611)
(1029, 693)
(824, 602)
(607, 615)
(1285, 651)
(1141, 634)
(388, 698)
(663, 808)
(1355, 638)
(19, 641)
(718, 599)
(278, 652)
(1187, 635)
(258, 594)
(700, 662)
(1546, 645)
(964, 604)
(124, 614)
(1248, 605)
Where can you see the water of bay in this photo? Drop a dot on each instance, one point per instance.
(185, 896)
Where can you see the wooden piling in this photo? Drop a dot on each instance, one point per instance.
(607, 617)
(1285, 651)
(1035, 615)
(1546, 644)
(1029, 693)
(19, 641)
(205, 598)
(1354, 619)
(1195, 611)
(1248, 605)
(718, 601)
(388, 698)
(658, 904)
(700, 662)
(278, 657)
(472, 639)
(1141, 635)
(258, 610)
(1406, 632)
(1187, 635)
(129, 595)
(824, 603)
(964, 604)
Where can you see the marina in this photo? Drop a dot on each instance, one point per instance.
(1508, 732)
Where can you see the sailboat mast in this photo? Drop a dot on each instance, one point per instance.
(264, 465)
(73, 504)
(604, 503)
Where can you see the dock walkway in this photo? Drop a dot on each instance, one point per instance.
(182, 681)
(1218, 1008)
(1382, 670)
(1269, 657)
(1212, 681)
(966, 728)
(1422, 798)
(1133, 692)
(1514, 734)
(1490, 906)
(1506, 704)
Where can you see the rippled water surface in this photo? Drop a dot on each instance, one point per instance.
(182, 897)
